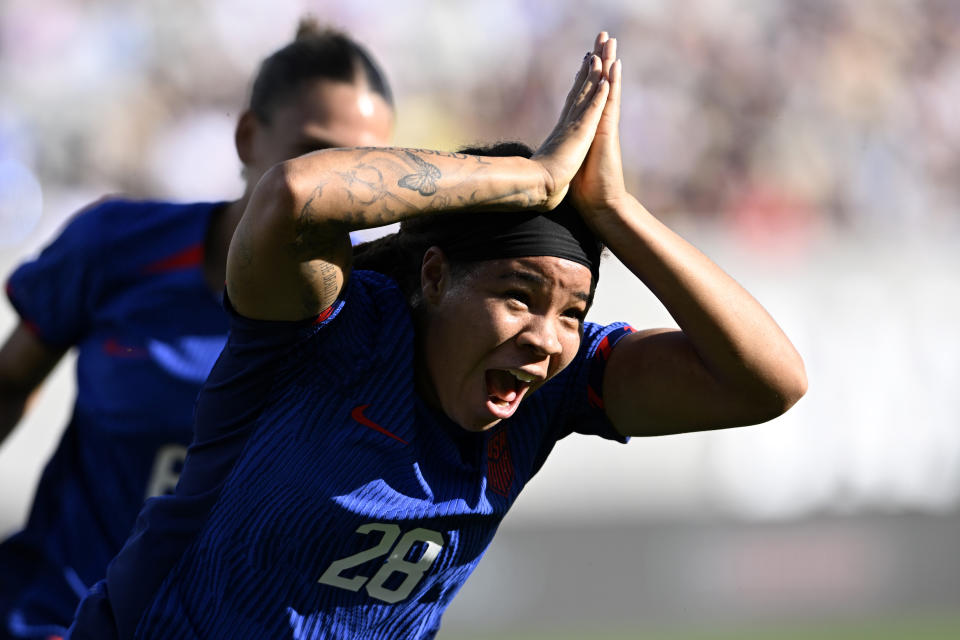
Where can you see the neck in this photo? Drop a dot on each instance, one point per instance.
(422, 379)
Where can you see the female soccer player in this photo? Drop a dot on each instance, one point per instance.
(362, 436)
(135, 286)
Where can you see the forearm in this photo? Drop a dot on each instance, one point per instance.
(738, 342)
(362, 188)
(291, 252)
(12, 407)
(25, 362)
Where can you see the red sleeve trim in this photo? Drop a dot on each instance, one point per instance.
(323, 315)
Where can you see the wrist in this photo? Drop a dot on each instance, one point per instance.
(607, 217)
(544, 196)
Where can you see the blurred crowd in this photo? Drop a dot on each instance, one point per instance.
(779, 118)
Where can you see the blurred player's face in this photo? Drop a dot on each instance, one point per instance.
(322, 115)
(495, 334)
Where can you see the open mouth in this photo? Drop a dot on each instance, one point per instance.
(505, 389)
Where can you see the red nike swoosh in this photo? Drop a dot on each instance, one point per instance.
(357, 414)
(113, 348)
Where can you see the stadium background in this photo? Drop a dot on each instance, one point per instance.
(811, 147)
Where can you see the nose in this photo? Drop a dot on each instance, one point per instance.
(540, 335)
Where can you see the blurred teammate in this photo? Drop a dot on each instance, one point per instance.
(136, 287)
(365, 431)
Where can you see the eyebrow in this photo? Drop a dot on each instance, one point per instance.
(535, 279)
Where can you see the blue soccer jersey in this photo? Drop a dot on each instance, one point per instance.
(124, 283)
(321, 498)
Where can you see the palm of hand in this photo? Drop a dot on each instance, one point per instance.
(599, 182)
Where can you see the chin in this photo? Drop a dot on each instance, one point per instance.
(477, 422)
(480, 428)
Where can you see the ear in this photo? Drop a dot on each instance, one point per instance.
(434, 275)
(244, 137)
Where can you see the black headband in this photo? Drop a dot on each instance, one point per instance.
(559, 233)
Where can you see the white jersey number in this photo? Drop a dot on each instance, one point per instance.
(166, 470)
(396, 562)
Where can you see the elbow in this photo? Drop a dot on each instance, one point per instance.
(276, 202)
(790, 394)
(798, 387)
(782, 391)
(794, 382)
(277, 188)
(271, 200)
(296, 192)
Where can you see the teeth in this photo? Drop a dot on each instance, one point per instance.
(522, 376)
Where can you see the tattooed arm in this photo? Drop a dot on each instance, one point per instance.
(291, 252)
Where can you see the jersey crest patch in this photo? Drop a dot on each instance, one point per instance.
(499, 464)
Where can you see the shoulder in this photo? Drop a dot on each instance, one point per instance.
(580, 384)
(368, 299)
(374, 288)
(370, 317)
(599, 340)
(114, 220)
(121, 218)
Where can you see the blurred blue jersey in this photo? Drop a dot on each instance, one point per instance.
(321, 498)
(124, 283)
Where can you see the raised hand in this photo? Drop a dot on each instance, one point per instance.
(564, 150)
(598, 185)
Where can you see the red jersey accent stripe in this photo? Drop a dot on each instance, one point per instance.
(357, 414)
(324, 315)
(604, 347)
(594, 398)
(113, 348)
(186, 259)
(32, 327)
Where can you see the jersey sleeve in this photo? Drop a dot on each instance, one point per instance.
(54, 293)
(582, 401)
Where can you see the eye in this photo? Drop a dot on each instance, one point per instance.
(517, 296)
(575, 313)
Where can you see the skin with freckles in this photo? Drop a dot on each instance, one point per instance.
(523, 315)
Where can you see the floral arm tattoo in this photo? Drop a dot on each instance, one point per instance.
(381, 186)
